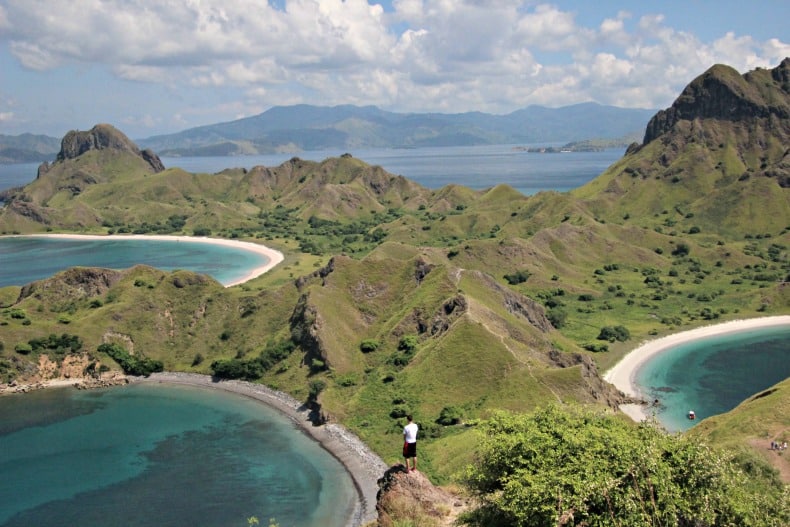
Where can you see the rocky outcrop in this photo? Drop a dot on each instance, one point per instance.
(74, 283)
(413, 495)
(721, 93)
(100, 137)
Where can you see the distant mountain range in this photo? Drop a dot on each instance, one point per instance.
(303, 127)
(28, 148)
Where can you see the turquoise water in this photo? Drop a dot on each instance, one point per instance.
(25, 259)
(714, 375)
(158, 455)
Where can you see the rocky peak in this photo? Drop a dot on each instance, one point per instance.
(721, 93)
(101, 137)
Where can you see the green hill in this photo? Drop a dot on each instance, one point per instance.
(394, 298)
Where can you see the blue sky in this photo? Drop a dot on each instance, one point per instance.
(160, 66)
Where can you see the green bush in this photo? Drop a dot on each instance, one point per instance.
(368, 345)
(574, 466)
(450, 415)
(518, 277)
(131, 365)
(557, 317)
(616, 333)
(23, 348)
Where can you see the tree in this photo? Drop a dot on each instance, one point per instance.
(619, 333)
(573, 466)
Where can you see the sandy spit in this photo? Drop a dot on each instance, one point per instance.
(364, 466)
(622, 374)
(273, 257)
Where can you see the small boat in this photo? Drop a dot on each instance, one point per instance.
(692, 415)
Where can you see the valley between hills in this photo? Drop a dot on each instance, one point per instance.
(450, 304)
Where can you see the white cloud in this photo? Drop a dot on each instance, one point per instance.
(6, 116)
(423, 55)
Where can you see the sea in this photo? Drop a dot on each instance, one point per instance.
(24, 259)
(146, 455)
(129, 454)
(713, 375)
(477, 167)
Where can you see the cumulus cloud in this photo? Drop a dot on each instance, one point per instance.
(418, 55)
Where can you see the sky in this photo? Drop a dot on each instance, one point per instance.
(153, 67)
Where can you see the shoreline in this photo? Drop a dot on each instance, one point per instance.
(362, 464)
(272, 256)
(622, 375)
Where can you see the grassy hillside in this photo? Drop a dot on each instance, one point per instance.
(394, 298)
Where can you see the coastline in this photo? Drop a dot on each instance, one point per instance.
(272, 256)
(623, 374)
(362, 464)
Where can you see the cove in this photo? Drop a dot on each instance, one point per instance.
(150, 455)
(713, 375)
(24, 259)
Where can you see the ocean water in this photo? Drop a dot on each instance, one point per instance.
(714, 375)
(25, 259)
(476, 167)
(153, 455)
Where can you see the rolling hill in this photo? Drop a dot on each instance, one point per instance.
(394, 298)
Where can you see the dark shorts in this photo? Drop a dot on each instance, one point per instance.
(409, 450)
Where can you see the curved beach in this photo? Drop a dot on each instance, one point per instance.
(622, 375)
(273, 257)
(364, 466)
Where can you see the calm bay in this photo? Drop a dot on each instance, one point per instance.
(162, 455)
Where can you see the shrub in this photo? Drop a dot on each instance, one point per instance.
(408, 343)
(368, 345)
(619, 333)
(589, 467)
(681, 249)
(450, 415)
(130, 364)
(518, 277)
(23, 348)
(557, 317)
(315, 387)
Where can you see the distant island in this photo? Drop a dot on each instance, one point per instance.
(587, 145)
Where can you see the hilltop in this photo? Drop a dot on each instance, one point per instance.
(714, 162)
(450, 303)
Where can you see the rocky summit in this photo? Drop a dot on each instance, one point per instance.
(721, 93)
(104, 136)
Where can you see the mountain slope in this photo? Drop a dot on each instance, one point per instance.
(716, 160)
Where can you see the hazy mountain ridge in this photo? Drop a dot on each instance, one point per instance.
(304, 127)
(27, 148)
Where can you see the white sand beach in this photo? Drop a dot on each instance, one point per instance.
(273, 257)
(364, 466)
(623, 373)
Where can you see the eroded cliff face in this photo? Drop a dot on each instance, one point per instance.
(722, 94)
(100, 137)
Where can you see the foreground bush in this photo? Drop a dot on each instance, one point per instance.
(569, 466)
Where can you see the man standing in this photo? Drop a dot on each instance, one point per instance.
(410, 443)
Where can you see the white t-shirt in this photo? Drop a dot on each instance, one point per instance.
(410, 433)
